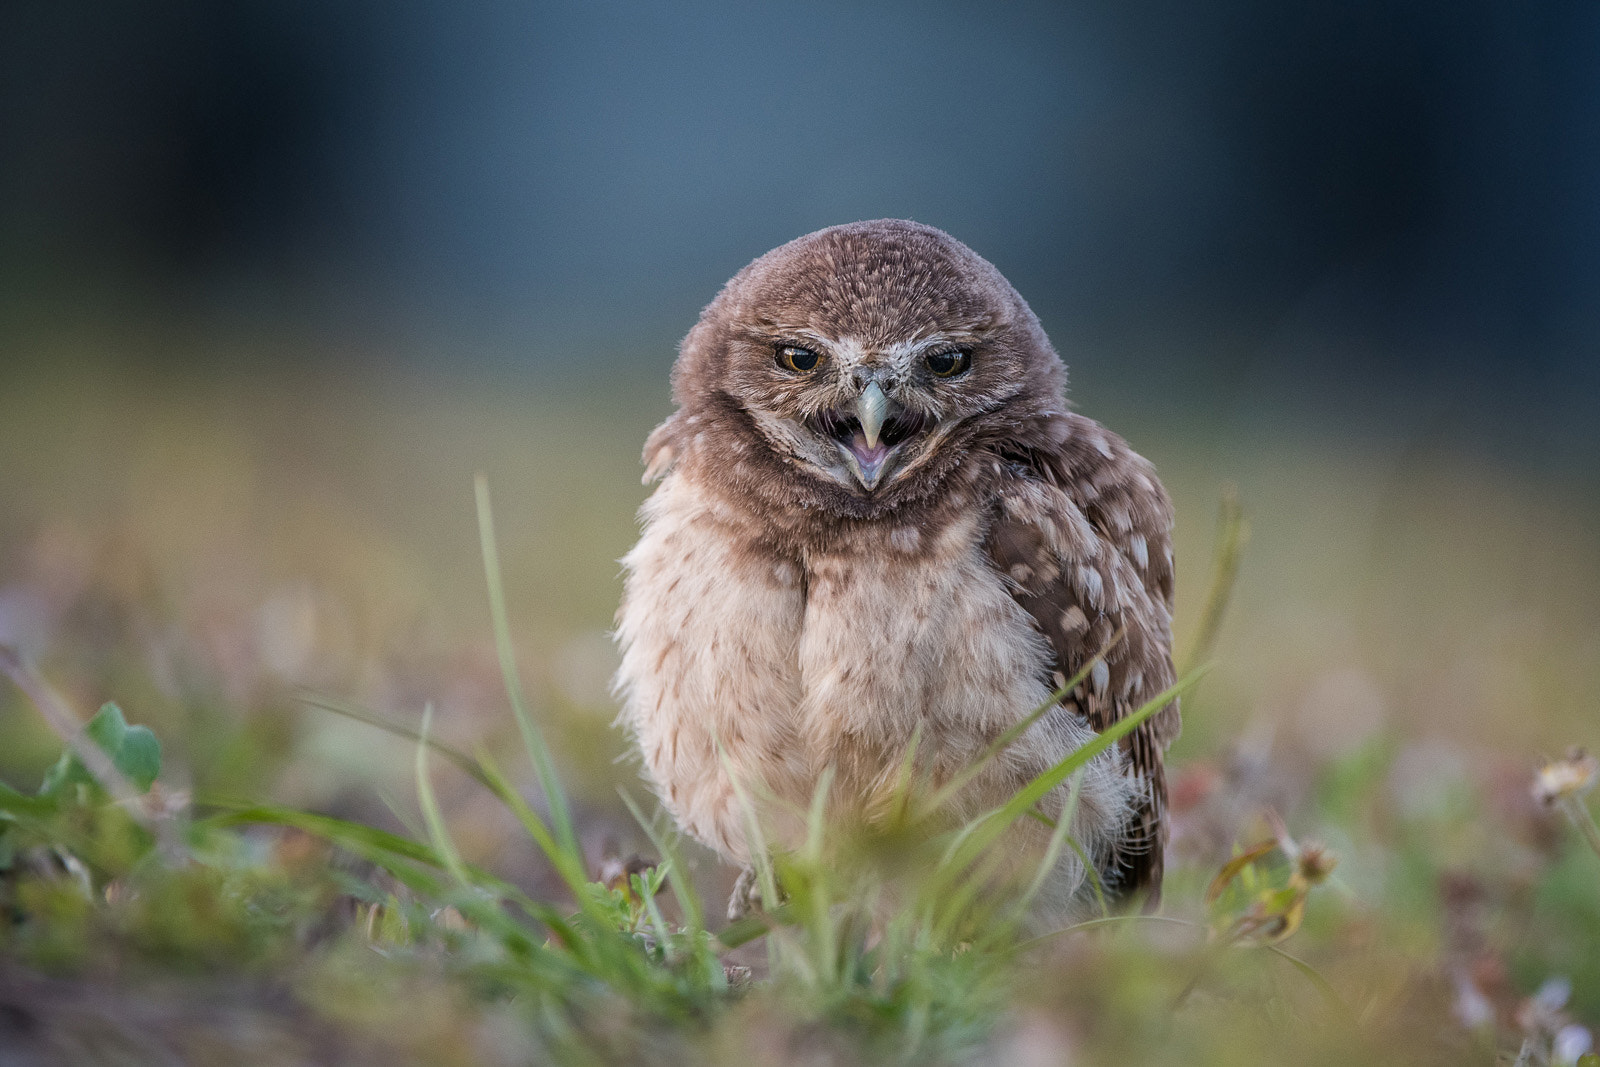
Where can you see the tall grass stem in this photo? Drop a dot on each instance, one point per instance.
(532, 738)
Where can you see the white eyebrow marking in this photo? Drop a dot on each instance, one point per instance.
(849, 351)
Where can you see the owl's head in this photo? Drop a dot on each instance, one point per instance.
(865, 361)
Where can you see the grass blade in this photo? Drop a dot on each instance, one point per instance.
(438, 833)
(1233, 533)
(986, 829)
(1058, 840)
(948, 791)
(567, 862)
(682, 888)
(463, 762)
(538, 751)
(755, 840)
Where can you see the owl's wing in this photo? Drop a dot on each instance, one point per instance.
(1083, 537)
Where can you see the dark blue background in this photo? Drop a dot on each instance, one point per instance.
(1374, 213)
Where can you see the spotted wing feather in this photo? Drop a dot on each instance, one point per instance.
(1083, 535)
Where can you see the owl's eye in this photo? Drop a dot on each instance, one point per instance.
(949, 363)
(798, 359)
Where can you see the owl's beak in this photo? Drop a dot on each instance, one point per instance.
(872, 407)
(869, 453)
(868, 432)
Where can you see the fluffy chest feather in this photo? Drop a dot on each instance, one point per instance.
(905, 629)
(791, 662)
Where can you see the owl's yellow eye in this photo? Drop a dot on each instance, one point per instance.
(949, 363)
(798, 359)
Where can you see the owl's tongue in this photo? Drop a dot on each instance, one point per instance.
(870, 457)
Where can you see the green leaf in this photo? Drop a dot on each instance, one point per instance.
(107, 729)
(66, 772)
(134, 750)
(13, 803)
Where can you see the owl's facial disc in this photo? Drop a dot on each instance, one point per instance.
(872, 434)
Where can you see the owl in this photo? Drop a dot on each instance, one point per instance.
(878, 519)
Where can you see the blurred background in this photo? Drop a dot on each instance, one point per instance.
(277, 277)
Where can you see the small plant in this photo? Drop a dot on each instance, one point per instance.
(63, 844)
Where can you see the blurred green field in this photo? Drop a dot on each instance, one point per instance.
(1413, 632)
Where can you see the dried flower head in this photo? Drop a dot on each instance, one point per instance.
(1572, 776)
(1315, 863)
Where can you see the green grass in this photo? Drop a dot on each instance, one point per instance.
(381, 802)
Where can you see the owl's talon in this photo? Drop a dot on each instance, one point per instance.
(746, 897)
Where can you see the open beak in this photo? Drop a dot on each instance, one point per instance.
(867, 452)
(869, 432)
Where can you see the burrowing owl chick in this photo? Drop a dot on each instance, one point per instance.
(877, 517)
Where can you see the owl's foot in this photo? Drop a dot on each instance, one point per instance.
(747, 897)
